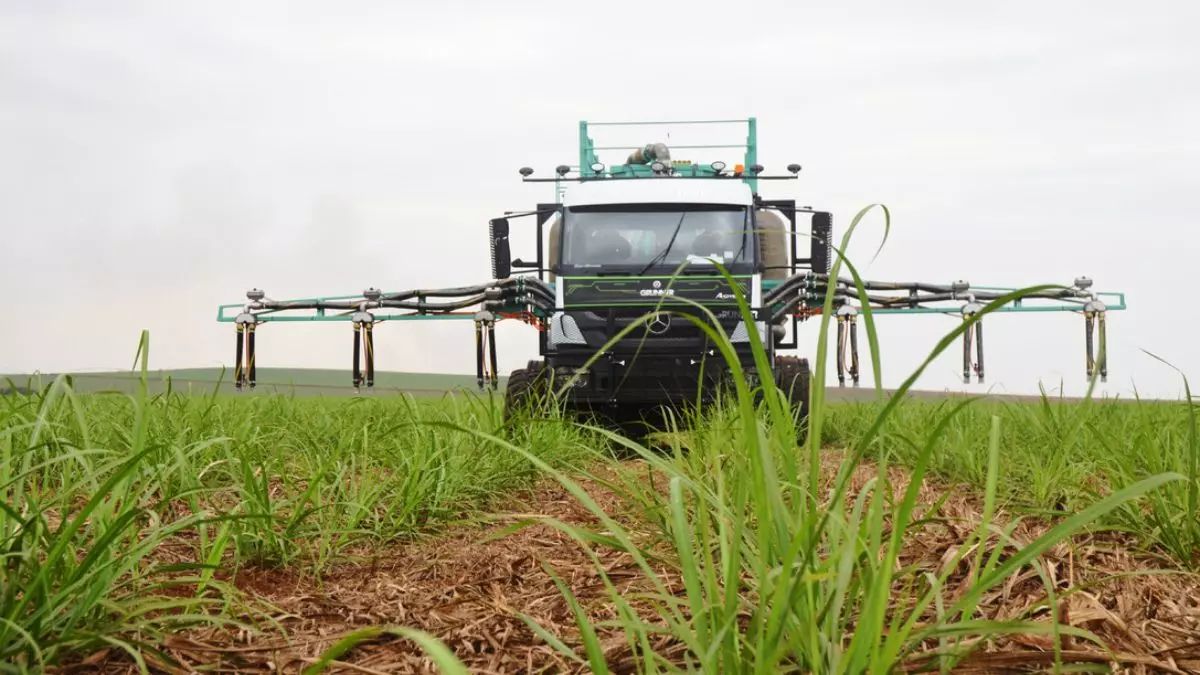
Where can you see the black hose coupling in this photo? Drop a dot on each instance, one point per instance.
(245, 368)
(485, 340)
(973, 332)
(1094, 314)
(847, 320)
(364, 344)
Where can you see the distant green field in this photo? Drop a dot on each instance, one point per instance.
(334, 382)
(301, 381)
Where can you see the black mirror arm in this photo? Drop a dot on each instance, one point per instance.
(521, 264)
(528, 265)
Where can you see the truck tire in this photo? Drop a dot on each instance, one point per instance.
(794, 379)
(525, 385)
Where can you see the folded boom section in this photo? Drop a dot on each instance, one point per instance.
(530, 300)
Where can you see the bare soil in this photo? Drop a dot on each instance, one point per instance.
(469, 591)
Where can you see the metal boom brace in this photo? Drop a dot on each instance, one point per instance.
(524, 298)
(531, 300)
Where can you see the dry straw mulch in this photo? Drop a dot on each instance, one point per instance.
(469, 592)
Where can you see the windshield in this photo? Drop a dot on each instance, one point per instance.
(640, 235)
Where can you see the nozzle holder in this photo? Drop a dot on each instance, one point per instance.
(971, 308)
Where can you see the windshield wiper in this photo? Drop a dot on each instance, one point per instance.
(656, 259)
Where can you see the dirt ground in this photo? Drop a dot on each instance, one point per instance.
(470, 592)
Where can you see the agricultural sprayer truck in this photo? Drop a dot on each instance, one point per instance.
(629, 250)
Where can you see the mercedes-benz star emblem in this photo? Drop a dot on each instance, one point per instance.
(659, 323)
(657, 283)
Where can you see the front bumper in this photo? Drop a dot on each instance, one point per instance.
(648, 378)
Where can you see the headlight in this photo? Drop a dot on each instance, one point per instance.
(565, 373)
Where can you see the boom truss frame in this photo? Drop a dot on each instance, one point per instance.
(527, 299)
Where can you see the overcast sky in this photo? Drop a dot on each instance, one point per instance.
(159, 158)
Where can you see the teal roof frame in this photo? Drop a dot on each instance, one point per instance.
(588, 150)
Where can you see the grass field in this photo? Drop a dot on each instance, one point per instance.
(180, 531)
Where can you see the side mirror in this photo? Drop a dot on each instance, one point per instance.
(501, 256)
(821, 256)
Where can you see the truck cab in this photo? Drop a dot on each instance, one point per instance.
(634, 252)
(630, 253)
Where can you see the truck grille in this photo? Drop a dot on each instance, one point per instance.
(673, 329)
